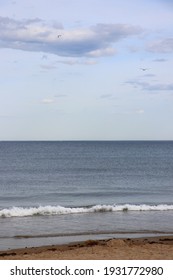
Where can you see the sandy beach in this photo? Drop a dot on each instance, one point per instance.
(150, 248)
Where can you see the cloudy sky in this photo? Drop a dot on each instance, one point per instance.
(86, 70)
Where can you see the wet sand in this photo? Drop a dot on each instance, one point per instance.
(149, 248)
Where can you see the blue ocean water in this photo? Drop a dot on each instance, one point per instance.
(57, 192)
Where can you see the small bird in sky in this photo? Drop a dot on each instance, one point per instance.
(59, 35)
(144, 69)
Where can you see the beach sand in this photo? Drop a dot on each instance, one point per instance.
(149, 248)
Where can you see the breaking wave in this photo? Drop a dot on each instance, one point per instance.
(60, 210)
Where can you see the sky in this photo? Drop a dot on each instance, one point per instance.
(86, 70)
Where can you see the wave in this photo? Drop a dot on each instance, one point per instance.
(60, 210)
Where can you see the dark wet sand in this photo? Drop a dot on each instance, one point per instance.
(149, 248)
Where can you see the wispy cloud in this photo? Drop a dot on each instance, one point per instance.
(132, 112)
(37, 36)
(60, 95)
(151, 86)
(74, 61)
(6, 116)
(161, 46)
(106, 96)
(159, 87)
(48, 66)
(159, 60)
(149, 75)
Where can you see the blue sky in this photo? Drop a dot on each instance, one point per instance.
(86, 70)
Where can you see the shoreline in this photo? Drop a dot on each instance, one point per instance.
(142, 248)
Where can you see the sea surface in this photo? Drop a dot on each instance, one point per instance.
(59, 192)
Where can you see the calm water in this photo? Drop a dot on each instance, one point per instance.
(56, 192)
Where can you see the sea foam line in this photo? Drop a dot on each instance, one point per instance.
(60, 210)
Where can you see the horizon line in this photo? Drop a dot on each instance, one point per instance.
(90, 140)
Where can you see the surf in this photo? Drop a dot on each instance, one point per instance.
(60, 210)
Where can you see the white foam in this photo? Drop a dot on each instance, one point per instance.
(59, 210)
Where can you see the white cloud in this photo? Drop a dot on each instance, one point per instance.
(47, 101)
(132, 112)
(37, 36)
(102, 52)
(140, 111)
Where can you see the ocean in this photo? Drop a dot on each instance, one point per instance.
(54, 192)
